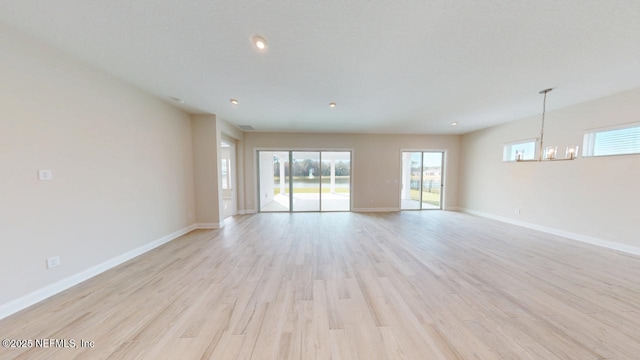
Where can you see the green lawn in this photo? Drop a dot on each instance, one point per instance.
(326, 189)
(432, 198)
(341, 184)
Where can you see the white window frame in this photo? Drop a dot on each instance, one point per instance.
(507, 150)
(589, 139)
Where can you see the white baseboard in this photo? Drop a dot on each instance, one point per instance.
(59, 286)
(567, 234)
(374, 209)
(208, 225)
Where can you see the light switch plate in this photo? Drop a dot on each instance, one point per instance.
(45, 174)
(53, 262)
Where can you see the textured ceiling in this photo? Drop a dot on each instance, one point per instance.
(391, 66)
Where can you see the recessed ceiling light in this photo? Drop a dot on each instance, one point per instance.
(454, 124)
(234, 101)
(178, 100)
(259, 42)
(332, 105)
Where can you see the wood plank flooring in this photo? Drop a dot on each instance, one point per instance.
(410, 285)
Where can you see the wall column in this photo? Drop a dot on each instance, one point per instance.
(206, 161)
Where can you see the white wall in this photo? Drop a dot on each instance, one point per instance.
(376, 163)
(592, 197)
(121, 160)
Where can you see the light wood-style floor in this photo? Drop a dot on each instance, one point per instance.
(411, 285)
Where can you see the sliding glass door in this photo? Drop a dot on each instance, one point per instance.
(319, 181)
(306, 180)
(336, 180)
(422, 180)
(273, 173)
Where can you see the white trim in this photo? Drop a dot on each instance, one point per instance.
(374, 209)
(34, 297)
(209, 225)
(569, 235)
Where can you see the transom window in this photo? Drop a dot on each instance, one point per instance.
(521, 150)
(620, 140)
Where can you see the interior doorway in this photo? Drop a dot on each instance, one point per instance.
(228, 178)
(304, 181)
(422, 180)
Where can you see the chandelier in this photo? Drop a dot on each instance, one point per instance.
(549, 153)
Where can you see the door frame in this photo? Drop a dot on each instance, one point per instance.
(256, 177)
(232, 171)
(443, 177)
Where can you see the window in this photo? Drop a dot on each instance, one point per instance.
(526, 149)
(620, 140)
(226, 175)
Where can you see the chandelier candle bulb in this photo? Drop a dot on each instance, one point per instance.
(551, 152)
(571, 152)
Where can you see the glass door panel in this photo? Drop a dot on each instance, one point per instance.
(336, 180)
(411, 181)
(432, 180)
(227, 169)
(273, 186)
(306, 175)
(421, 180)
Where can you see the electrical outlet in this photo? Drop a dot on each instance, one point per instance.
(517, 211)
(45, 174)
(53, 262)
